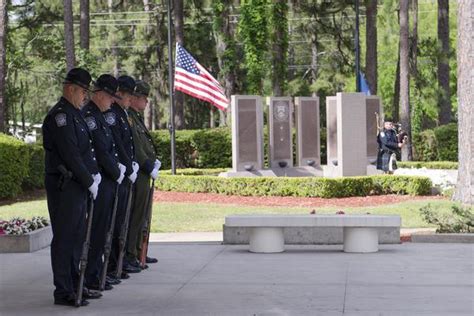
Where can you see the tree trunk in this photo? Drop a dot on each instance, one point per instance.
(3, 63)
(280, 46)
(224, 44)
(113, 43)
(371, 44)
(414, 42)
(85, 20)
(444, 100)
(465, 50)
(314, 58)
(396, 91)
(405, 117)
(149, 110)
(178, 12)
(69, 35)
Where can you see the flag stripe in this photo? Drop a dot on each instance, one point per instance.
(193, 79)
(200, 95)
(198, 82)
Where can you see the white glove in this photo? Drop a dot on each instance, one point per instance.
(157, 164)
(135, 166)
(154, 174)
(97, 178)
(122, 173)
(94, 189)
(133, 177)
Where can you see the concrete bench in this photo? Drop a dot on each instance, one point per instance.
(360, 231)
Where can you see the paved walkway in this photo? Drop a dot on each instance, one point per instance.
(213, 279)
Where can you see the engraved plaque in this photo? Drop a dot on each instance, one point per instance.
(307, 131)
(280, 117)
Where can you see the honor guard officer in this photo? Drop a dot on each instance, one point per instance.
(72, 176)
(149, 166)
(388, 147)
(117, 118)
(112, 171)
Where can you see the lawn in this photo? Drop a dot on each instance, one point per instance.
(204, 217)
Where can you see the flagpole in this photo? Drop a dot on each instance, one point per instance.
(357, 47)
(170, 78)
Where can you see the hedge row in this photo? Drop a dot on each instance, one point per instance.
(21, 166)
(428, 164)
(300, 187)
(438, 144)
(208, 148)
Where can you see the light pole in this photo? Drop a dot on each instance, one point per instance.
(357, 47)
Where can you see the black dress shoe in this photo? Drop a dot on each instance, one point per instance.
(69, 301)
(112, 280)
(91, 294)
(128, 268)
(96, 287)
(151, 260)
(124, 275)
(145, 266)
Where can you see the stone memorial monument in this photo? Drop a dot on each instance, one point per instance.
(308, 152)
(280, 118)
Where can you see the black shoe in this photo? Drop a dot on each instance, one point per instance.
(151, 260)
(145, 266)
(124, 276)
(112, 280)
(68, 301)
(128, 268)
(96, 287)
(91, 294)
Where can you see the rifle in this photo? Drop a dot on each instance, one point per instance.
(108, 240)
(85, 253)
(124, 233)
(146, 226)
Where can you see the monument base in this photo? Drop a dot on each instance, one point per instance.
(276, 172)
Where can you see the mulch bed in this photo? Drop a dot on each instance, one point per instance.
(184, 197)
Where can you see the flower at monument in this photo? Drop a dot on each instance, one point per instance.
(20, 226)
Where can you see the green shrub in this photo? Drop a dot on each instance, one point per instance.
(428, 164)
(438, 144)
(301, 187)
(214, 147)
(447, 137)
(461, 220)
(35, 177)
(195, 172)
(14, 159)
(185, 152)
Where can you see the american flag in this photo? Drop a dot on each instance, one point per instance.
(191, 78)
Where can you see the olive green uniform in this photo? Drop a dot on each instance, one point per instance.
(145, 156)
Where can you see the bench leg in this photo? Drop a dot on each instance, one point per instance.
(361, 239)
(266, 239)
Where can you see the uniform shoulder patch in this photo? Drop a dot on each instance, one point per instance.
(110, 118)
(61, 119)
(91, 123)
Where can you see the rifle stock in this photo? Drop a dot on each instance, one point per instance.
(85, 253)
(124, 232)
(108, 240)
(146, 226)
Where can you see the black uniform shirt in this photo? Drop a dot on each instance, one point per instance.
(67, 142)
(102, 140)
(388, 140)
(117, 118)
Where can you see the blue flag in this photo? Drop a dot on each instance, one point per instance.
(364, 86)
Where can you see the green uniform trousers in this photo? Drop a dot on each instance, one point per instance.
(138, 216)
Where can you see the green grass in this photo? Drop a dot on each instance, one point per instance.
(200, 217)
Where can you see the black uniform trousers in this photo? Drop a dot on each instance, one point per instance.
(100, 225)
(67, 212)
(119, 222)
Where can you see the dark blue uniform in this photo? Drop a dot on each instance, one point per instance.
(107, 158)
(117, 118)
(67, 142)
(388, 145)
